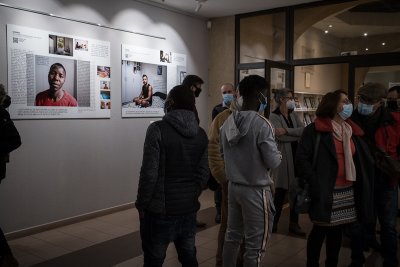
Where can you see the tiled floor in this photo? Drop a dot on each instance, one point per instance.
(113, 240)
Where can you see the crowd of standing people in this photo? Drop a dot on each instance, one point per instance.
(348, 190)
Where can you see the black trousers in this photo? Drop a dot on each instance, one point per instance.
(279, 199)
(333, 235)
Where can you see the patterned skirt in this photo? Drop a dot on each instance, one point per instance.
(343, 207)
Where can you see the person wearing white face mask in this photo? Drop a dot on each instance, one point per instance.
(288, 130)
(340, 183)
(382, 129)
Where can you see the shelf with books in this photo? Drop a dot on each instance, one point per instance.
(306, 104)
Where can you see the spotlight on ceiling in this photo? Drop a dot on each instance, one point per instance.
(365, 34)
(326, 31)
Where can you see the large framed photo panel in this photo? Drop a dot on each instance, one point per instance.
(147, 76)
(55, 75)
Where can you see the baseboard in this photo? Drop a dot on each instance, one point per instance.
(48, 226)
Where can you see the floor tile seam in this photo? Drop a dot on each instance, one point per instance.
(56, 245)
(27, 252)
(117, 224)
(97, 230)
(109, 233)
(32, 252)
(78, 237)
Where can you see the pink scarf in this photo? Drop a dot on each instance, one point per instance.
(343, 133)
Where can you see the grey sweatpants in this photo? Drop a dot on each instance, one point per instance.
(250, 216)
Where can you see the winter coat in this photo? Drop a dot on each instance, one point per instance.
(386, 136)
(215, 160)
(174, 169)
(322, 179)
(9, 140)
(284, 174)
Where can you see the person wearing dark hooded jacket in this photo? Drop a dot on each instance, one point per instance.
(249, 149)
(174, 171)
(9, 141)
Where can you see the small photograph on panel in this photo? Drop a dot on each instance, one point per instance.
(55, 83)
(105, 104)
(81, 45)
(105, 99)
(60, 45)
(105, 85)
(103, 71)
(144, 85)
(165, 56)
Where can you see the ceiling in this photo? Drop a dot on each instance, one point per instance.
(221, 8)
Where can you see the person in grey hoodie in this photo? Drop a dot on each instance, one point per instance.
(249, 150)
(174, 172)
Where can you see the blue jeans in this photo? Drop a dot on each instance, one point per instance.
(386, 210)
(157, 231)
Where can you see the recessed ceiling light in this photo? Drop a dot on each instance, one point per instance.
(326, 31)
(366, 49)
(330, 26)
(365, 34)
(383, 43)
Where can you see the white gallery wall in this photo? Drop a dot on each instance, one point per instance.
(71, 167)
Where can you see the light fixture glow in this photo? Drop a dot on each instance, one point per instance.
(51, 14)
(366, 49)
(365, 34)
(330, 26)
(383, 43)
(326, 31)
(98, 24)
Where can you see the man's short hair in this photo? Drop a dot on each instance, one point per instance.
(373, 91)
(252, 85)
(144, 75)
(191, 80)
(57, 65)
(180, 98)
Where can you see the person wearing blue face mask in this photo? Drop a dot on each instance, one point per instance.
(228, 96)
(340, 183)
(382, 129)
(249, 149)
(288, 130)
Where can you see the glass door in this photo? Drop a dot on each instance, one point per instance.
(279, 75)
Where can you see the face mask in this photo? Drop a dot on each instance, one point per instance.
(346, 112)
(227, 98)
(290, 104)
(197, 92)
(263, 104)
(392, 105)
(365, 109)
